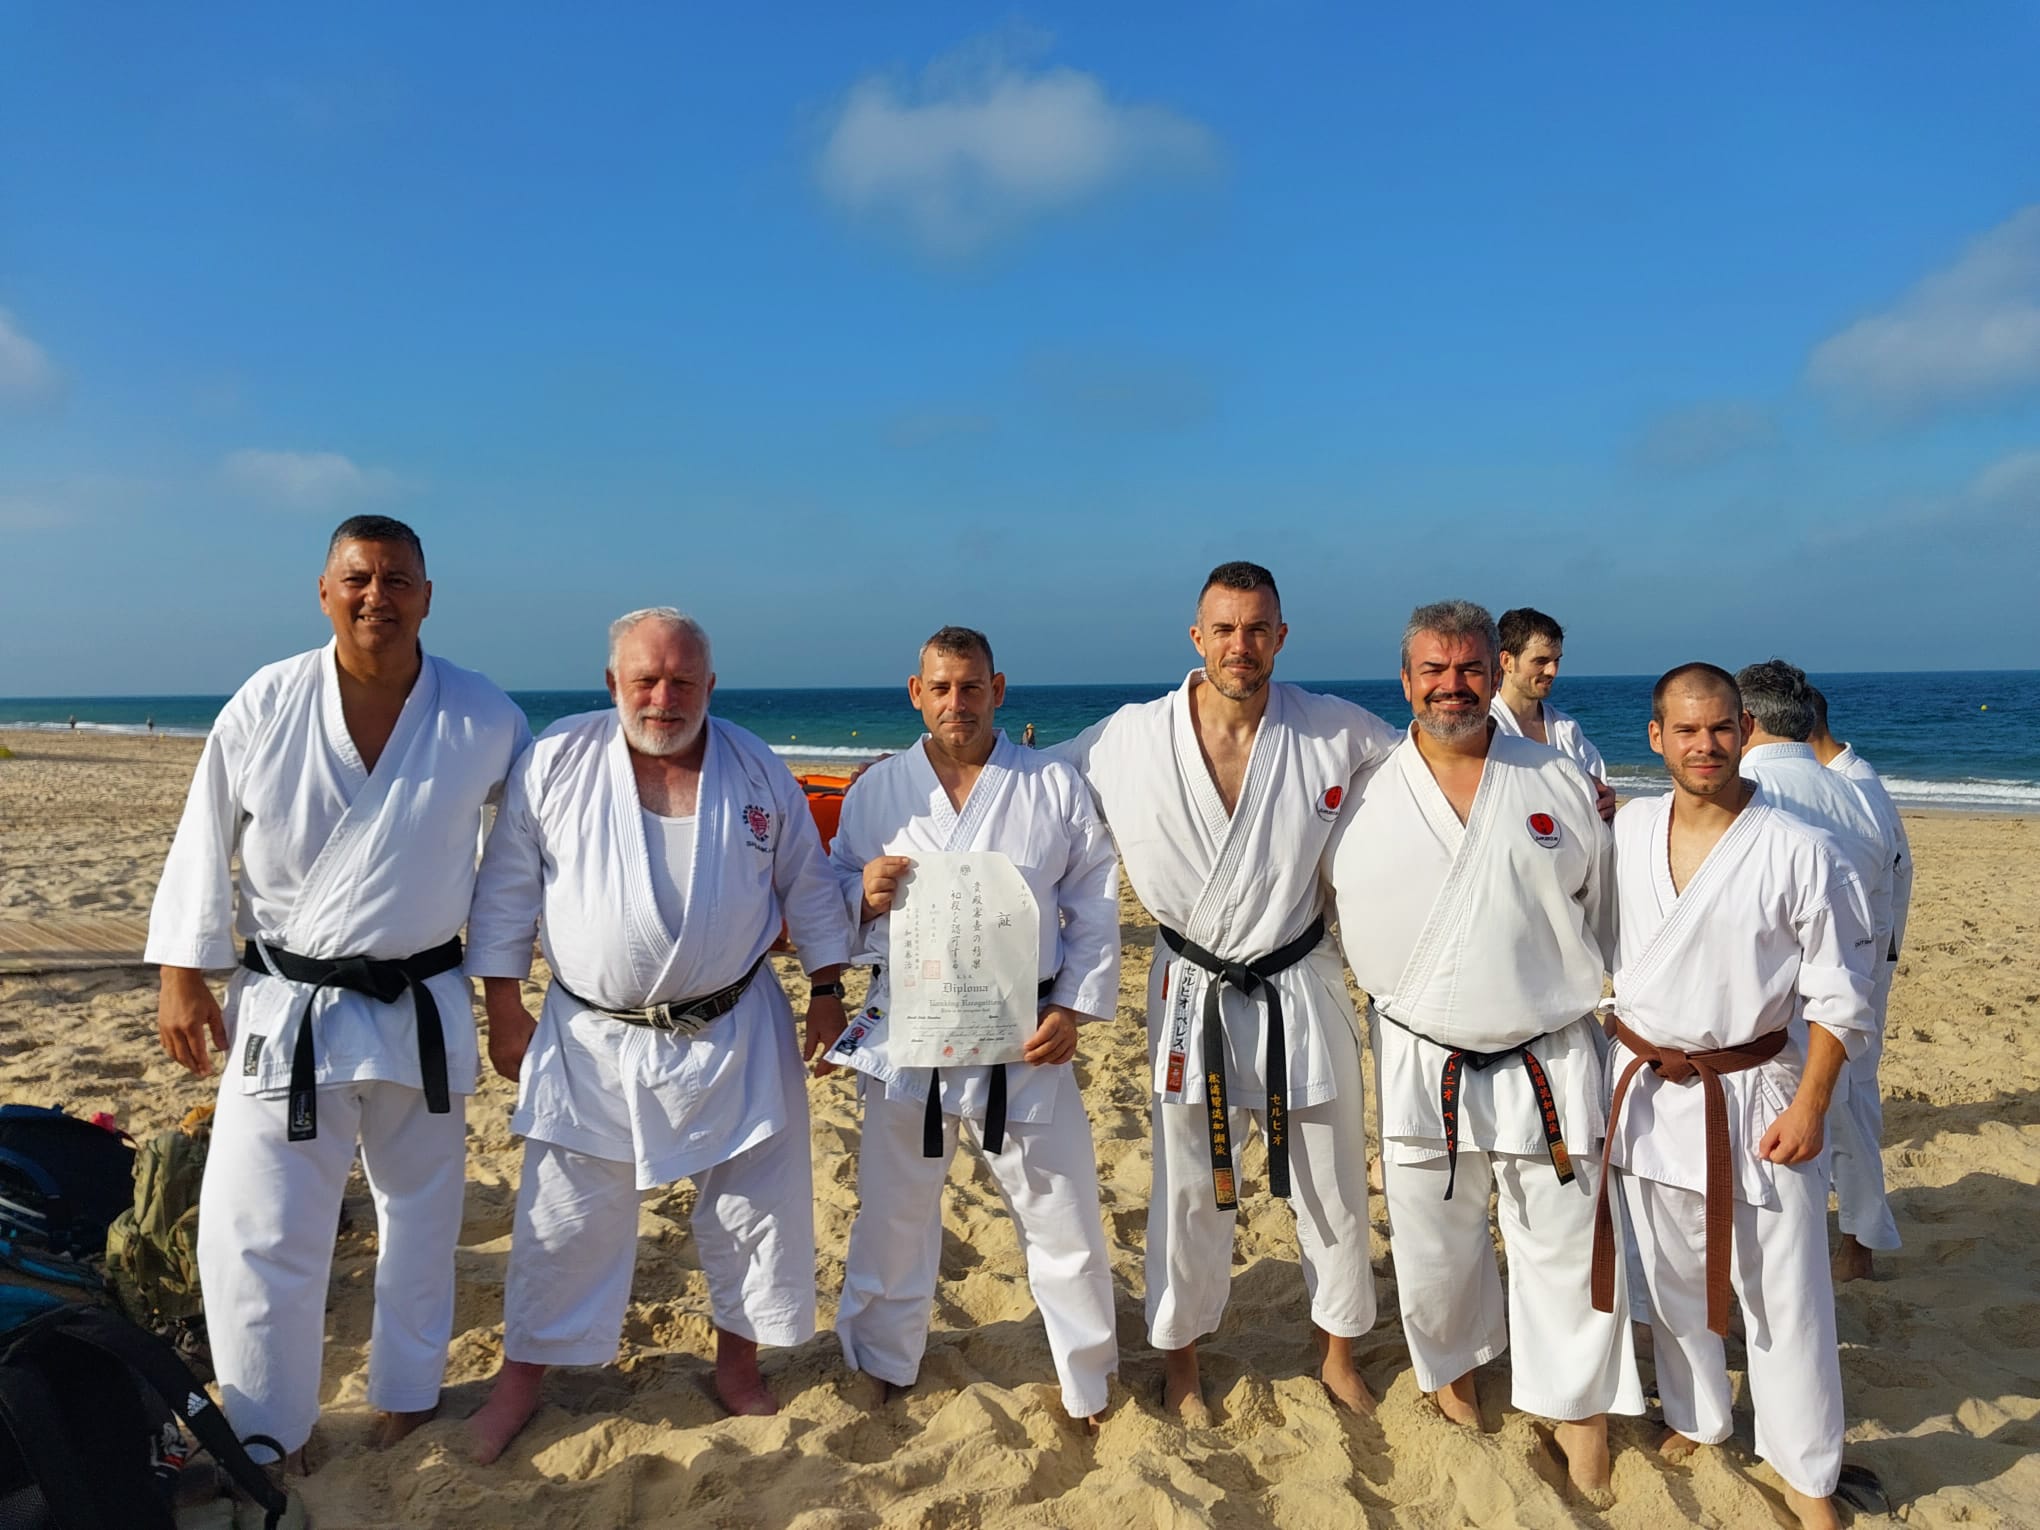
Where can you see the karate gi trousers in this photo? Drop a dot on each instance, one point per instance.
(573, 1248)
(1570, 1362)
(1047, 1172)
(1780, 1275)
(1856, 1139)
(267, 1213)
(1190, 1241)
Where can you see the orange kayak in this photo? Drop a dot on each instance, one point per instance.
(825, 805)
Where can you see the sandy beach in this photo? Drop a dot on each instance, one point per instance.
(1941, 1354)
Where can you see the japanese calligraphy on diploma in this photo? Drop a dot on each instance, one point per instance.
(965, 956)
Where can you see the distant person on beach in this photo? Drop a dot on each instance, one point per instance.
(1532, 646)
(1221, 796)
(351, 781)
(966, 787)
(1476, 898)
(1742, 983)
(74, 723)
(1862, 1206)
(655, 850)
(1027, 735)
(1780, 759)
(150, 724)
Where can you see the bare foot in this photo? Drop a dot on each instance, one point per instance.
(1676, 1446)
(1584, 1444)
(1852, 1261)
(511, 1403)
(1341, 1374)
(392, 1427)
(1459, 1401)
(1182, 1389)
(737, 1381)
(869, 1392)
(1814, 1513)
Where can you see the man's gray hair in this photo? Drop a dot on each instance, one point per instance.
(1451, 619)
(1777, 696)
(670, 616)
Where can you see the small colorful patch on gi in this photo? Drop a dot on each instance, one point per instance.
(854, 1034)
(1544, 829)
(758, 821)
(1328, 802)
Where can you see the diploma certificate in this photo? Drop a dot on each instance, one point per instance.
(964, 962)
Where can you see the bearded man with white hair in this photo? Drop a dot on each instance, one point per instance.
(656, 851)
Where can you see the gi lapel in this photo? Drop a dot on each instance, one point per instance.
(1682, 908)
(650, 942)
(1463, 840)
(320, 917)
(1230, 834)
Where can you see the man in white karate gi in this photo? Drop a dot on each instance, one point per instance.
(350, 781)
(1221, 796)
(966, 787)
(1781, 760)
(656, 849)
(1532, 646)
(1862, 1203)
(1476, 898)
(1742, 983)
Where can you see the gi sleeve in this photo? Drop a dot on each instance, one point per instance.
(510, 886)
(1076, 753)
(1837, 953)
(808, 890)
(191, 920)
(1088, 899)
(1591, 761)
(1597, 895)
(852, 847)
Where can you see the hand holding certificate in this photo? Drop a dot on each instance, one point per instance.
(964, 961)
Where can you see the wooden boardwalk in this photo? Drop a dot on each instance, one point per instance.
(71, 945)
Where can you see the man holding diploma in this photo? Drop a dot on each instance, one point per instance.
(966, 796)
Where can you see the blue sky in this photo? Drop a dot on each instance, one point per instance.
(1714, 330)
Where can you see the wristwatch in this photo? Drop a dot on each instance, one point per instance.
(825, 991)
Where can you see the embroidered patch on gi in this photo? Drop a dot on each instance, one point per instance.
(758, 821)
(251, 1056)
(1544, 829)
(853, 1037)
(1328, 802)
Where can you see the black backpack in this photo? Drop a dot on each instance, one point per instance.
(62, 1180)
(84, 1396)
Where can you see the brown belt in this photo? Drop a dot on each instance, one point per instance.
(1676, 1067)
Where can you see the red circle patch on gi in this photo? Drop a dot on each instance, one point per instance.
(1328, 802)
(1544, 829)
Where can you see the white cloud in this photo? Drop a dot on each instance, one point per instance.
(1699, 435)
(305, 480)
(2012, 483)
(981, 145)
(26, 372)
(1966, 333)
(21, 513)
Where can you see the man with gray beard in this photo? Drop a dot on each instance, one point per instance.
(657, 849)
(1476, 902)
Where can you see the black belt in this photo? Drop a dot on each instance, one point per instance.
(385, 981)
(995, 1094)
(684, 1017)
(1249, 978)
(1457, 1058)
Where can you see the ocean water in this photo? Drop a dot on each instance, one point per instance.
(1955, 739)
